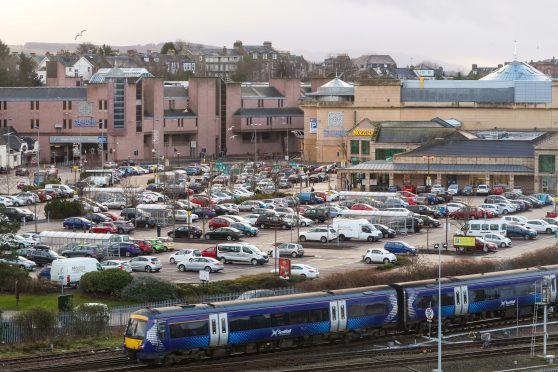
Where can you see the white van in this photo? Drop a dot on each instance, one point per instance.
(520, 220)
(68, 271)
(239, 252)
(66, 190)
(482, 227)
(356, 229)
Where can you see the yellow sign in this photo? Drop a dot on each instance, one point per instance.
(556, 199)
(75, 168)
(464, 241)
(363, 132)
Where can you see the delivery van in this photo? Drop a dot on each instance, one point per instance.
(356, 229)
(68, 271)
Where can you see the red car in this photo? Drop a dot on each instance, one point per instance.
(202, 200)
(363, 207)
(104, 228)
(217, 222)
(144, 245)
(210, 252)
(480, 245)
(112, 216)
(408, 188)
(497, 190)
(409, 200)
(406, 194)
(471, 213)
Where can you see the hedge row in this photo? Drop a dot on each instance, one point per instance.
(63, 208)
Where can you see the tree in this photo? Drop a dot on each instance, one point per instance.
(244, 69)
(7, 230)
(86, 48)
(27, 77)
(168, 46)
(106, 50)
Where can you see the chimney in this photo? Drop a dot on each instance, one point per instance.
(237, 44)
(267, 44)
(500, 65)
(224, 50)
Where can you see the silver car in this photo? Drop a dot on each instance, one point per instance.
(116, 264)
(201, 263)
(21, 262)
(115, 203)
(145, 263)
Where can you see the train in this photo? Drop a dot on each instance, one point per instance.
(193, 331)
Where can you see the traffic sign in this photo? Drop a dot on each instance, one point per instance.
(429, 313)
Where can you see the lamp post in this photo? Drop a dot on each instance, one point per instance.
(288, 132)
(154, 139)
(255, 144)
(428, 159)
(437, 246)
(8, 153)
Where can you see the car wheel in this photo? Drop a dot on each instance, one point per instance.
(28, 202)
(182, 268)
(223, 260)
(65, 255)
(368, 260)
(120, 230)
(254, 262)
(303, 275)
(317, 220)
(283, 227)
(208, 269)
(122, 206)
(171, 235)
(262, 226)
(293, 255)
(16, 204)
(342, 237)
(385, 261)
(525, 237)
(303, 224)
(503, 245)
(207, 237)
(148, 269)
(485, 249)
(549, 231)
(370, 239)
(147, 226)
(505, 211)
(385, 236)
(229, 237)
(323, 239)
(172, 260)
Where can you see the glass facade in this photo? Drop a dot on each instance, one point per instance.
(383, 154)
(119, 102)
(354, 147)
(547, 163)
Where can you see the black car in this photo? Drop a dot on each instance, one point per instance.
(221, 210)
(43, 256)
(186, 232)
(224, 233)
(3, 170)
(425, 210)
(124, 227)
(90, 250)
(143, 221)
(204, 212)
(520, 231)
(17, 214)
(128, 213)
(429, 221)
(386, 231)
(316, 214)
(97, 217)
(268, 221)
(22, 172)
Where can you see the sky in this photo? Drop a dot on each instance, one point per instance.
(453, 33)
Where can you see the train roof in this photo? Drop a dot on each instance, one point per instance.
(192, 309)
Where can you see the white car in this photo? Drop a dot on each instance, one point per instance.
(322, 234)
(495, 208)
(184, 255)
(146, 263)
(201, 263)
(16, 202)
(520, 220)
(231, 206)
(541, 226)
(483, 190)
(23, 242)
(293, 250)
(180, 215)
(6, 202)
(116, 264)
(307, 271)
(507, 207)
(453, 189)
(379, 255)
(452, 207)
(500, 240)
(115, 203)
(158, 196)
(252, 218)
(30, 236)
(249, 205)
(437, 188)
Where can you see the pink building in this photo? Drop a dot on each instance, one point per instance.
(128, 114)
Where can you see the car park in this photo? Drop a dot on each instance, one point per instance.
(104, 228)
(184, 255)
(116, 264)
(541, 226)
(201, 263)
(378, 255)
(323, 234)
(127, 249)
(77, 223)
(245, 228)
(387, 232)
(146, 263)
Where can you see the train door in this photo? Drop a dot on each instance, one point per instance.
(551, 287)
(218, 329)
(338, 316)
(461, 300)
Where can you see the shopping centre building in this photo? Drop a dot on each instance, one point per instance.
(502, 129)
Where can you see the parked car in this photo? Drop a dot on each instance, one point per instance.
(191, 231)
(317, 215)
(123, 227)
(454, 189)
(520, 231)
(184, 255)
(245, 228)
(306, 271)
(42, 256)
(323, 234)
(227, 233)
(500, 240)
(104, 228)
(146, 263)
(127, 249)
(19, 214)
(399, 247)
(288, 249)
(21, 262)
(378, 255)
(77, 223)
(201, 263)
(22, 172)
(250, 205)
(387, 232)
(97, 217)
(144, 245)
(541, 226)
(116, 264)
(482, 189)
(268, 221)
(116, 203)
(217, 222)
(89, 250)
(471, 213)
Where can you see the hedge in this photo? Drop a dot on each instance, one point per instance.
(149, 289)
(108, 282)
(63, 208)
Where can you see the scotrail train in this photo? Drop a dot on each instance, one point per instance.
(170, 334)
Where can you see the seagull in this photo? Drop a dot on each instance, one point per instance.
(80, 34)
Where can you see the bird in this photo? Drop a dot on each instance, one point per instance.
(79, 34)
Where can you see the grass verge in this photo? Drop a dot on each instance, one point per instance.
(50, 301)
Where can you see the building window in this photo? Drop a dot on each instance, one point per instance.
(34, 123)
(547, 163)
(274, 56)
(354, 147)
(365, 147)
(63, 105)
(385, 154)
(3, 105)
(254, 55)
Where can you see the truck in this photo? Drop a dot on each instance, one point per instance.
(68, 271)
(356, 229)
(472, 243)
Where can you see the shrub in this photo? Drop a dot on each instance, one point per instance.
(107, 282)
(9, 275)
(63, 208)
(150, 181)
(36, 317)
(149, 289)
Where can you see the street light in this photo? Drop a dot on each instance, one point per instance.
(288, 132)
(8, 153)
(255, 125)
(428, 183)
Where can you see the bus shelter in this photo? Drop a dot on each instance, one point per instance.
(402, 222)
(160, 214)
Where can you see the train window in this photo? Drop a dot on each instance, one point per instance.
(447, 299)
(189, 329)
(478, 295)
(239, 324)
(342, 311)
(358, 310)
(319, 315)
(492, 293)
(334, 313)
(464, 297)
(162, 327)
(506, 292)
(259, 321)
(298, 317)
(223, 325)
(279, 319)
(426, 301)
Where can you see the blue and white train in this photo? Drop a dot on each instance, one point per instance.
(169, 334)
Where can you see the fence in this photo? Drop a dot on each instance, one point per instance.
(69, 324)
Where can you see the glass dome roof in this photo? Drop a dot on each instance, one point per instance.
(517, 71)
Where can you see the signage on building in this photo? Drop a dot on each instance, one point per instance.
(85, 108)
(73, 139)
(85, 123)
(334, 133)
(102, 139)
(363, 132)
(313, 125)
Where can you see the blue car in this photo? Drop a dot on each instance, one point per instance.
(545, 198)
(245, 228)
(44, 273)
(396, 247)
(204, 212)
(77, 223)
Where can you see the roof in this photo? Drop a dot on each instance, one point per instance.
(260, 92)
(405, 73)
(67, 61)
(415, 134)
(385, 166)
(115, 72)
(374, 59)
(175, 93)
(272, 111)
(13, 140)
(43, 93)
(515, 71)
(473, 148)
(335, 87)
(179, 113)
(74, 235)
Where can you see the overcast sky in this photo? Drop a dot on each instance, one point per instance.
(451, 32)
